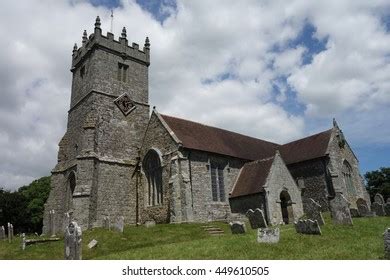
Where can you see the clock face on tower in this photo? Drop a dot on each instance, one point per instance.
(125, 104)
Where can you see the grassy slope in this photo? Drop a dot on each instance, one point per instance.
(364, 240)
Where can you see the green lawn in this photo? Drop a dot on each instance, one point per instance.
(363, 240)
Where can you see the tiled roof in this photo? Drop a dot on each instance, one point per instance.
(252, 178)
(307, 148)
(215, 140)
(211, 139)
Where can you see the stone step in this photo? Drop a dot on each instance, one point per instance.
(212, 229)
(216, 233)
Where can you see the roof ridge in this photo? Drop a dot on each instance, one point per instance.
(214, 127)
(260, 160)
(300, 139)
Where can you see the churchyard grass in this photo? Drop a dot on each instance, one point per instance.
(363, 240)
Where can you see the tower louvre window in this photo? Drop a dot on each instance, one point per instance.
(217, 183)
(122, 72)
(82, 72)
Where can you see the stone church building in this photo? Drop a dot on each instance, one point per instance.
(120, 158)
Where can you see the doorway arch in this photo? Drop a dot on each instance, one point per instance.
(286, 207)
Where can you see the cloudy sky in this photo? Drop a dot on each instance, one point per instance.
(277, 70)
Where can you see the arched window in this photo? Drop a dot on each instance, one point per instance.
(347, 174)
(71, 185)
(153, 171)
(72, 182)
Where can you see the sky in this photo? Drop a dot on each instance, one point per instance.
(276, 70)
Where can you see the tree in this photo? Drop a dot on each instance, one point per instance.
(378, 181)
(24, 207)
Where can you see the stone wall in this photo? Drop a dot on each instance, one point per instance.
(311, 179)
(340, 151)
(278, 180)
(243, 203)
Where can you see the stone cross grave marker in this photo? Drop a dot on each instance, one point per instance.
(72, 239)
(313, 211)
(237, 227)
(378, 209)
(340, 210)
(268, 235)
(106, 223)
(308, 227)
(378, 198)
(256, 218)
(2, 233)
(120, 223)
(386, 238)
(67, 220)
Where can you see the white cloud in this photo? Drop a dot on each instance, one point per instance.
(210, 62)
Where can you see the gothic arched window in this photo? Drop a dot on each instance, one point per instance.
(153, 172)
(347, 173)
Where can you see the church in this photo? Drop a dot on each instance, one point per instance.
(121, 158)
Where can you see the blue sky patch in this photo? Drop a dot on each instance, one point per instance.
(159, 9)
(106, 3)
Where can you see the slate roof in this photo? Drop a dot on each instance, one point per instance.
(215, 140)
(307, 148)
(252, 178)
(202, 137)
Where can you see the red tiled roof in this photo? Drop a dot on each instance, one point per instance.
(311, 147)
(211, 139)
(252, 178)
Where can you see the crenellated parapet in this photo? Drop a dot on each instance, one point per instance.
(108, 43)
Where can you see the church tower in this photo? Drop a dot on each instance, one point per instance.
(107, 119)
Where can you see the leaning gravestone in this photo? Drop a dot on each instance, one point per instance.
(73, 240)
(237, 227)
(378, 209)
(92, 244)
(339, 207)
(2, 233)
(120, 223)
(313, 211)
(106, 223)
(268, 235)
(308, 227)
(387, 208)
(378, 198)
(256, 218)
(363, 210)
(386, 238)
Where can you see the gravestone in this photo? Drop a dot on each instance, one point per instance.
(378, 209)
(268, 235)
(313, 211)
(52, 229)
(354, 213)
(2, 233)
(387, 208)
(237, 227)
(256, 218)
(120, 223)
(72, 238)
(66, 221)
(308, 227)
(92, 244)
(363, 210)
(10, 232)
(149, 224)
(388, 200)
(378, 198)
(339, 207)
(106, 223)
(23, 241)
(386, 239)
